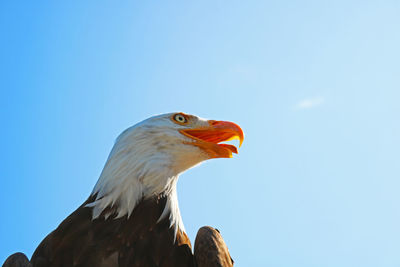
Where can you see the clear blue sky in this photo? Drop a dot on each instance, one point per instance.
(315, 85)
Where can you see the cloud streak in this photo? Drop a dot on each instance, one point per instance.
(309, 103)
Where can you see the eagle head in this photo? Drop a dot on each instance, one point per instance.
(148, 157)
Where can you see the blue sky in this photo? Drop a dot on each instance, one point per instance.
(314, 85)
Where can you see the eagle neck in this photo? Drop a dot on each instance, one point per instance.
(118, 196)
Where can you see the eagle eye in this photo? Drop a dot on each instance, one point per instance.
(180, 118)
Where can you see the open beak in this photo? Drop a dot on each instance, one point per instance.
(209, 137)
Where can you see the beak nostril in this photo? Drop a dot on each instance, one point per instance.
(212, 122)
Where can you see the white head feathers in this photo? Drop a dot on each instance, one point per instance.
(146, 161)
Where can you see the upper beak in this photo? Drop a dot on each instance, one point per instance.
(209, 137)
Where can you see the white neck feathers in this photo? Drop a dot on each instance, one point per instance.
(136, 170)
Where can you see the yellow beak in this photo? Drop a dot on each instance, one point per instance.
(208, 138)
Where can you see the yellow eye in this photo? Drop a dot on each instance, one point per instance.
(180, 118)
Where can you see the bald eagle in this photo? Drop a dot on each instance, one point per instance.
(132, 216)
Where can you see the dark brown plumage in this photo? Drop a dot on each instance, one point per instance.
(17, 260)
(135, 241)
(210, 249)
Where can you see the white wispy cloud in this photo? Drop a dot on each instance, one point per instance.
(310, 102)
